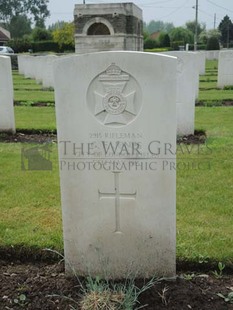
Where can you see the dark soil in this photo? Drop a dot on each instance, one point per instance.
(225, 103)
(228, 103)
(37, 136)
(35, 104)
(29, 137)
(38, 283)
(199, 137)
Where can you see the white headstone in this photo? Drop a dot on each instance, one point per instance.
(39, 68)
(225, 69)
(28, 66)
(21, 62)
(47, 75)
(197, 59)
(211, 55)
(116, 121)
(202, 60)
(7, 119)
(187, 77)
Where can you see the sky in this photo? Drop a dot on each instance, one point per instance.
(176, 11)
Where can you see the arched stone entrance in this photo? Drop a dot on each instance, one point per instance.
(108, 27)
(98, 29)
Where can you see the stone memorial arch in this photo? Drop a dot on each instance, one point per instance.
(108, 27)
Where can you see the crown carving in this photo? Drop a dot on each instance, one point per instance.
(113, 70)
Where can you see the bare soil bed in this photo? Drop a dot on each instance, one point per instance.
(27, 285)
(37, 136)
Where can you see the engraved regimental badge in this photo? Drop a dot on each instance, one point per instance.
(114, 97)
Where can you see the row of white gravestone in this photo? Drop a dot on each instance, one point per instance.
(116, 123)
(225, 68)
(7, 119)
(189, 68)
(39, 68)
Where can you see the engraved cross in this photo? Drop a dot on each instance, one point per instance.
(117, 196)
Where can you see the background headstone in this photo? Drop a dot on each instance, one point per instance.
(225, 69)
(7, 119)
(116, 121)
(202, 60)
(47, 75)
(187, 79)
(212, 55)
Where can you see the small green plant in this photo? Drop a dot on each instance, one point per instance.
(203, 259)
(212, 103)
(227, 298)
(219, 273)
(189, 276)
(101, 294)
(228, 87)
(48, 88)
(21, 300)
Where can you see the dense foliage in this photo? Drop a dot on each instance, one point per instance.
(64, 35)
(226, 29)
(213, 44)
(35, 8)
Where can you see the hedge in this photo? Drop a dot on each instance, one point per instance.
(21, 45)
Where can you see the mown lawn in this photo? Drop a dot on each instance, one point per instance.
(209, 94)
(27, 91)
(35, 118)
(205, 190)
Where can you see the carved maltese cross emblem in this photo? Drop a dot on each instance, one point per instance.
(114, 104)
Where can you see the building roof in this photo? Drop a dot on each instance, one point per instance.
(154, 35)
(4, 34)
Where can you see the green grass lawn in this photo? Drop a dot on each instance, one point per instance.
(215, 95)
(35, 118)
(27, 87)
(205, 191)
(28, 91)
(208, 85)
(30, 200)
(209, 94)
(35, 96)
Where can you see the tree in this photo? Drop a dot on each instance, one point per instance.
(191, 25)
(150, 44)
(155, 26)
(167, 27)
(164, 40)
(212, 44)
(13, 8)
(65, 35)
(226, 29)
(41, 34)
(19, 26)
(205, 35)
(146, 35)
(182, 35)
(58, 25)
